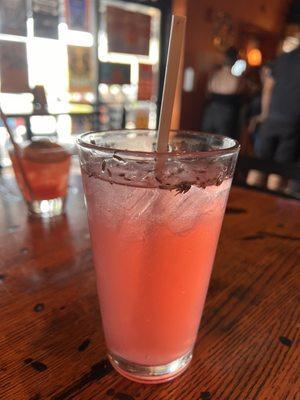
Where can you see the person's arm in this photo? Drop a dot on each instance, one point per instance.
(210, 87)
(209, 84)
(266, 97)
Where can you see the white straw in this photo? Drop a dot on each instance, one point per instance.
(171, 77)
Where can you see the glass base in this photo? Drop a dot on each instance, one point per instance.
(46, 208)
(150, 374)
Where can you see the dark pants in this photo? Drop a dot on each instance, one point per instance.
(221, 119)
(279, 141)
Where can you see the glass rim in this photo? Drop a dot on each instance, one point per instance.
(66, 147)
(139, 153)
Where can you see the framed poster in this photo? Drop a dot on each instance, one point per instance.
(78, 14)
(14, 70)
(114, 73)
(45, 15)
(146, 82)
(13, 16)
(80, 69)
(127, 31)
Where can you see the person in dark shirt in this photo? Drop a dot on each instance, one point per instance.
(280, 117)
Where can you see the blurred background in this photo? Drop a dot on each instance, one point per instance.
(69, 66)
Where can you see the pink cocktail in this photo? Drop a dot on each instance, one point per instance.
(46, 166)
(154, 227)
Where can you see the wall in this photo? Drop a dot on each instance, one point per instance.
(179, 7)
(202, 55)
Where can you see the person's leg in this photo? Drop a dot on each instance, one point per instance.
(256, 178)
(268, 140)
(208, 119)
(276, 183)
(265, 150)
(286, 152)
(288, 146)
(293, 186)
(256, 140)
(226, 120)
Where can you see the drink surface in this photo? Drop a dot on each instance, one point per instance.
(46, 165)
(153, 253)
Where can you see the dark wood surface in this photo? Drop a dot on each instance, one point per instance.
(51, 342)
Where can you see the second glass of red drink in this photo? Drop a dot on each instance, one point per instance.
(42, 170)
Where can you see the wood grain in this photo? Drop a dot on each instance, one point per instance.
(51, 342)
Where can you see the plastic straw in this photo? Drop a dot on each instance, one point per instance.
(171, 77)
(17, 154)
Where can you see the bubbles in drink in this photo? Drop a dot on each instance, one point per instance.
(142, 209)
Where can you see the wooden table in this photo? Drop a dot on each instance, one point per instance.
(51, 342)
